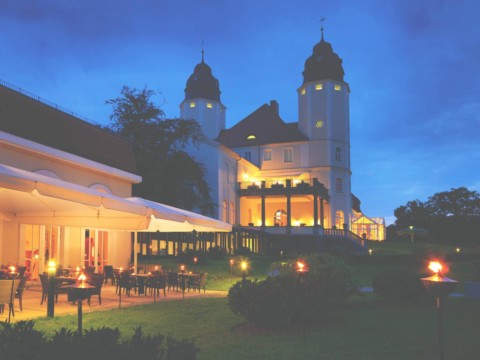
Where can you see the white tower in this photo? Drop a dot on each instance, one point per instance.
(202, 101)
(323, 107)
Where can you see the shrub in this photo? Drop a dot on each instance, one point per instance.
(188, 257)
(217, 253)
(21, 341)
(243, 251)
(289, 299)
(399, 286)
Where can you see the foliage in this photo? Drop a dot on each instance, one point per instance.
(22, 341)
(399, 286)
(217, 253)
(475, 271)
(243, 251)
(169, 174)
(188, 257)
(292, 298)
(450, 216)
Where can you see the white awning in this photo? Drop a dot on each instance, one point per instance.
(31, 198)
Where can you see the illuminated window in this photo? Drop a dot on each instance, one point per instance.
(338, 88)
(319, 87)
(319, 124)
(209, 105)
(339, 219)
(338, 153)
(302, 91)
(338, 185)
(248, 155)
(192, 104)
(251, 137)
(288, 155)
(267, 155)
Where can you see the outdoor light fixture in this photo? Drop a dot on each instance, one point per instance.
(182, 268)
(82, 278)
(244, 266)
(52, 269)
(458, 250)
(370, 251)
(439, 286)
(195, 260)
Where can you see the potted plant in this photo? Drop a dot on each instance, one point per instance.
(472, 287)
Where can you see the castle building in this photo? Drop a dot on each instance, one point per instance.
(275, 176)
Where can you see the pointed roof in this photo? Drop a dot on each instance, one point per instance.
(263, 126)
(323, 64)
(31, 119)
(202, 84)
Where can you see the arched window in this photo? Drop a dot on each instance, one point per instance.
(338, 185)
(338, 153)
(280, 218)
(339, 219)
(224, 211)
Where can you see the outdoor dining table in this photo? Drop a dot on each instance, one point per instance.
(141, 279)
(185, 279)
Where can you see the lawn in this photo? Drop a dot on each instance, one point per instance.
(366, 329)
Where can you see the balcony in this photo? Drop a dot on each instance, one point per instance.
(282, 187)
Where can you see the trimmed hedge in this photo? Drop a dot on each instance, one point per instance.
(291, 298)
(21, 341)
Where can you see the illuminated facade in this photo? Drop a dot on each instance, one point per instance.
(291, 178)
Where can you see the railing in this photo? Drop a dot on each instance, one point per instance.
(275, 184)
(344, 233)
(43, 101)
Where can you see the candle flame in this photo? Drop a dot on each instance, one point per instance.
(82, 278)
(435, 266)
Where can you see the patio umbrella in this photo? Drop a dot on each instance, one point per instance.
(412, 231)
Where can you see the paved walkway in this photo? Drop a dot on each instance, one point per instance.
(33, 293)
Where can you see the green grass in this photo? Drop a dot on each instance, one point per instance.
(366, 329)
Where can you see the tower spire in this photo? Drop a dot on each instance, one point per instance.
(203, 53)
(321, 26)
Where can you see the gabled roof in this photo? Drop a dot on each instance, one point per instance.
(263, 126)
(25, 117)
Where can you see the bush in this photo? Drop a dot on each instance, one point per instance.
(188, 257)
(289, 299)
(217, 253)
(243, 251)
(21, 341)
(399, 286)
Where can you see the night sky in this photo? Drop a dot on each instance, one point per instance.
(412, 67)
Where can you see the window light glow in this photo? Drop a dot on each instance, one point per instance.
(303, 91)
(209, 105)
(338, 88)
(319, 87)
(250, 137)
(192, 104)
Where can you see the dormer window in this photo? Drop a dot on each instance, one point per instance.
(251, 137)
(192, 104)
(319, 87)
(303, 91)
(209, 105)
(338, 87)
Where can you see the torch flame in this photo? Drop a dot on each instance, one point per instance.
(300, 266)
(82, 278)
(435, 266)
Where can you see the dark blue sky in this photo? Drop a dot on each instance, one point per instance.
(412, 66)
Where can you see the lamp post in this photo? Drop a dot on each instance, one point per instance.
(52, 269)
(301, 269)
(80, 292)
(244, 266)
(120, 288)
(439, 286)
(231, 269)
(14, 275)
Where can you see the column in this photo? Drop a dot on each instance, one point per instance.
(321, 213)
(263, 210)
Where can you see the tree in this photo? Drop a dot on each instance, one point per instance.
(450, 216)
(169, 174)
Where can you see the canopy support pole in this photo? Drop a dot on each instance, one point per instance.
(135, 251)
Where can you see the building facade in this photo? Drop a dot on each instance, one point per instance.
(280, 177)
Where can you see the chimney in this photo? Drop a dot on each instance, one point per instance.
(274, 106)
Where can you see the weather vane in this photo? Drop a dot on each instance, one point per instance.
(321, 24)
(203, 52)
